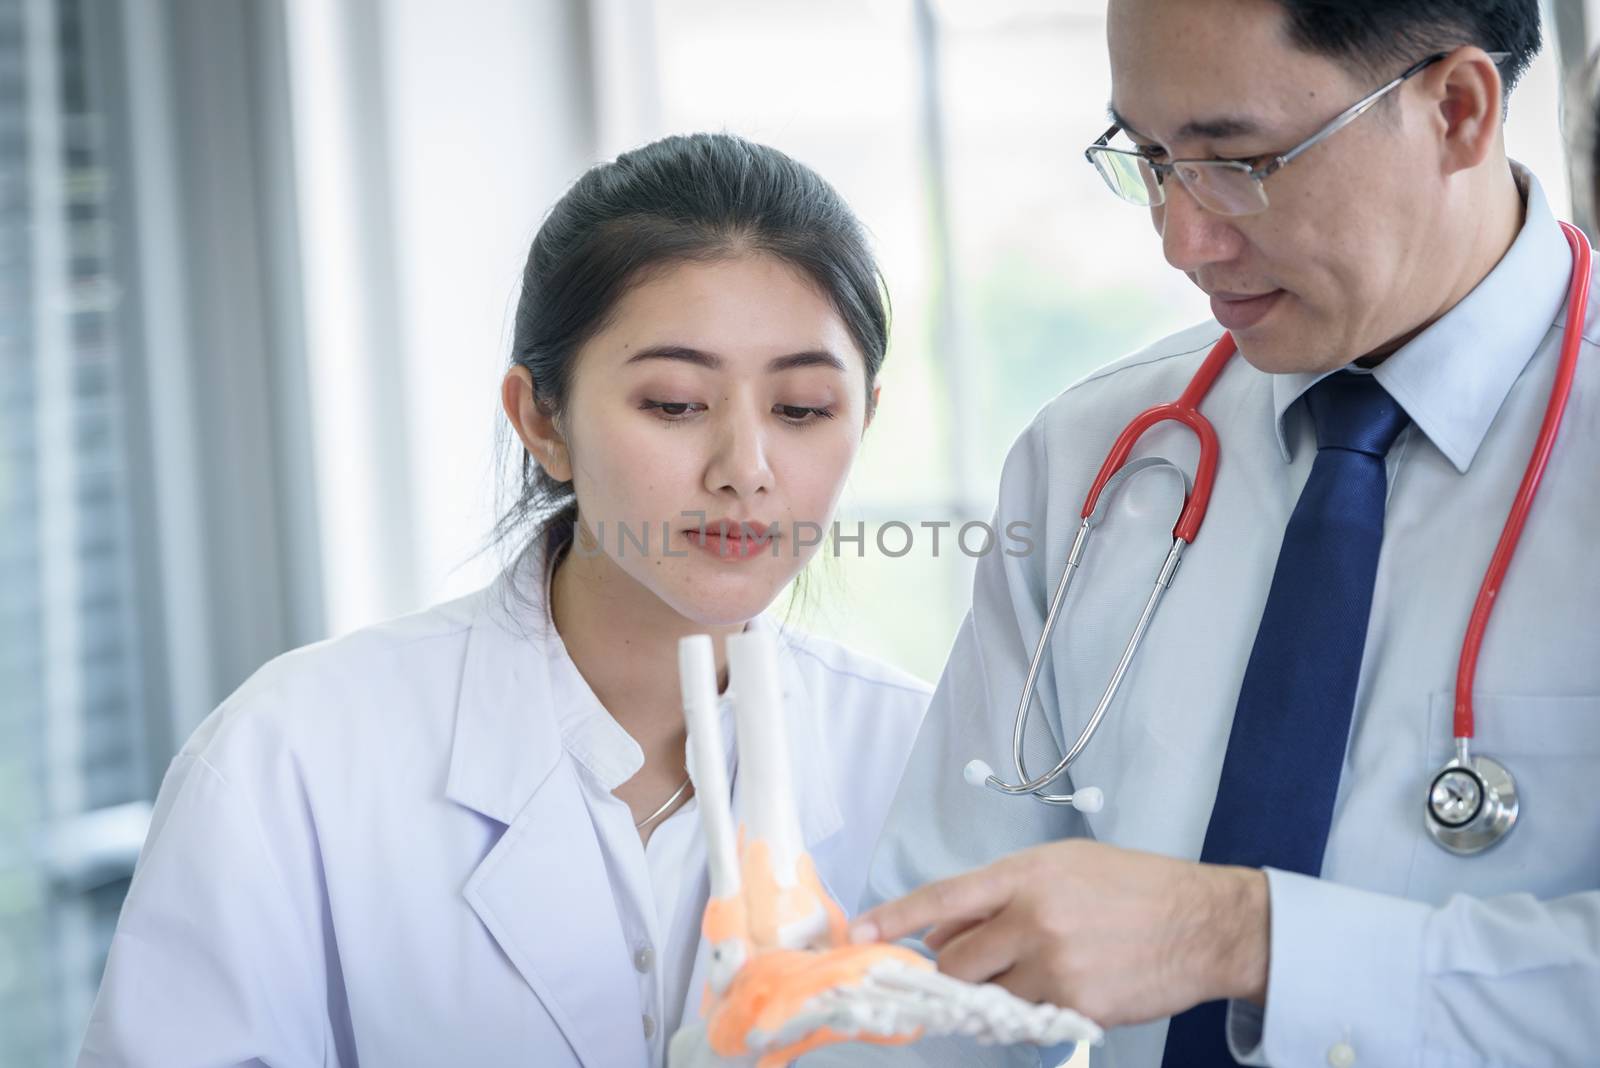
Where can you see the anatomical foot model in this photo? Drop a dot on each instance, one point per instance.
(784, 978)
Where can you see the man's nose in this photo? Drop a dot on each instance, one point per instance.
(1191, 236)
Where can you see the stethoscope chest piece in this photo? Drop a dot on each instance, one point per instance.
(1472, 804)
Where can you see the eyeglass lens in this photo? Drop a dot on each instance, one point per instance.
(1225, 188)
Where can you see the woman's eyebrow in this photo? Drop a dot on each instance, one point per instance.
(812, 358)
(681, 353)
(713, 362)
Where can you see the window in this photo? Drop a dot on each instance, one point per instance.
(955, 128)
(74, 766)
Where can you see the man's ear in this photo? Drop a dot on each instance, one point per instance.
(1468, 93)
(535, 424)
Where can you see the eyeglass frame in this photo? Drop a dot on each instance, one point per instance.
(1277, 163)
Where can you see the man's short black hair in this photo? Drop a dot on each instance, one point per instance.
(1386, 36)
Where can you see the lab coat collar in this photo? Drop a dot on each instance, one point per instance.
(1454, 376)
(505, 746)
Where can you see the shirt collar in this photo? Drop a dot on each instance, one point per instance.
(1453, 377)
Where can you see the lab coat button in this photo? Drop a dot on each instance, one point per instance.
(1342, 1055)
(644, 959)
(649, 1027)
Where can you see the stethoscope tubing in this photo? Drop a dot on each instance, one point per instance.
(1025, 706)
(1186, 411)
(1465, 724)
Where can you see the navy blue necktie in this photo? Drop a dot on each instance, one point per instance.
(1292, 724)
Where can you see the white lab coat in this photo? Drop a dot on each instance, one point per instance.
(376, 852)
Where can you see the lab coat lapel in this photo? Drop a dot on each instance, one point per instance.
(542, 892)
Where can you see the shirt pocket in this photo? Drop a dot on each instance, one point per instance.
(1551, 747)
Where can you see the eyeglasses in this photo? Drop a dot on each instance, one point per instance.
(1225, 186)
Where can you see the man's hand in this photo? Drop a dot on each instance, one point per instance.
(1120, 936)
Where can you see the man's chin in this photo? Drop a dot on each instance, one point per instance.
(1284, 352)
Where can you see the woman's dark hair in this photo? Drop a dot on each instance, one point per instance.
(1587, 143)
(699, 197)
(1384, 36)
(1594, 164)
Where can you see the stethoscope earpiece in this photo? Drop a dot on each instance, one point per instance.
(1086, 799)
(977, 772)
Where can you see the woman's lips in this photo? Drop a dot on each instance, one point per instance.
(1242, 312)
(732, 547)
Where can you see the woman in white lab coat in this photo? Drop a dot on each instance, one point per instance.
(467, 836)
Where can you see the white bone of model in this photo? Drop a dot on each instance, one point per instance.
(697, 677)
(764, 762)
(895, 999)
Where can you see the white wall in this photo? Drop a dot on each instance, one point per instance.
(430, 140)
(489, 121)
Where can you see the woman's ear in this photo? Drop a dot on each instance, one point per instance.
(535, 425)
(872, 405)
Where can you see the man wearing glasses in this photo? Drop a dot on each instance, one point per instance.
(1260, 884)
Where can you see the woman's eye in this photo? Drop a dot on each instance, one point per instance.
(671, 411)
(795, 413)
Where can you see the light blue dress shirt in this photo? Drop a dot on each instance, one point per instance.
(1401, 954)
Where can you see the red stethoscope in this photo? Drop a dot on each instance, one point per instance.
(1472, 800)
